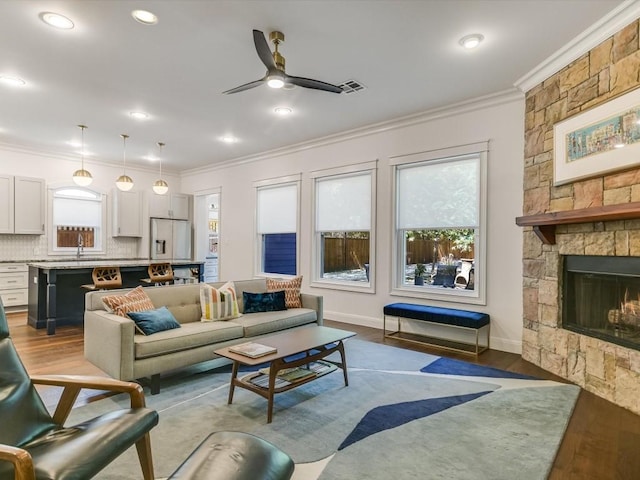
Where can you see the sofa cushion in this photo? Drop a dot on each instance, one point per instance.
(268, 322)
(149, 322)
(191, 335)
(134, 301)
(218, 303)
(263, 302)
(291, 289)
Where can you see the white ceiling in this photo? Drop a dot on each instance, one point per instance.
(405, 52)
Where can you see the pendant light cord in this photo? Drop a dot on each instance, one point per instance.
(124, 153)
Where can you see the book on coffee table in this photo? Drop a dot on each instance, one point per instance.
(253, 349)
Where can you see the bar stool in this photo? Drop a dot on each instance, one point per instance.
(104, 278)
(159, 273)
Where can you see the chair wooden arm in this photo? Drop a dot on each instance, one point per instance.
(74, 383)
(22, 462)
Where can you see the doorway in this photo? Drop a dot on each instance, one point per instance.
(207, 233)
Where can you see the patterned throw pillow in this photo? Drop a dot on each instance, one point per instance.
(291, 290)
(136, 300)
(263, 302)
(218, 303)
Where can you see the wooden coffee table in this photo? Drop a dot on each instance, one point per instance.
(315, 342)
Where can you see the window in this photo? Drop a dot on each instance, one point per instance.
(77, 221)
(343, 238)
(439, 225)
(277, 228)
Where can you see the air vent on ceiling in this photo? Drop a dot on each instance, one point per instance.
(351, 86)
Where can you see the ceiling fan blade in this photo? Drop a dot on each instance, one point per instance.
(246, 86)
(310, 83)
(264, 52)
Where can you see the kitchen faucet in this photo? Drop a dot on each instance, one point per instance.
(80, 246)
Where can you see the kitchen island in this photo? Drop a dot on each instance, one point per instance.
(56, 296)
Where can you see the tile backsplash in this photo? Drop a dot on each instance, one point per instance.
(20, 248)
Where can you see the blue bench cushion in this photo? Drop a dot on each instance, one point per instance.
(447, 316)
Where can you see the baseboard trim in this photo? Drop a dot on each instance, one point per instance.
(362, 320)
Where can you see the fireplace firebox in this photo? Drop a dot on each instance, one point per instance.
(601, 298)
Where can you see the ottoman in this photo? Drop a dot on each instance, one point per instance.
(235, 456)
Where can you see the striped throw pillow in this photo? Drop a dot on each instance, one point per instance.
(136, 300)
(218, 303)
(291, 290)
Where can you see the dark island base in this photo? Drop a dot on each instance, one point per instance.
(56, 296)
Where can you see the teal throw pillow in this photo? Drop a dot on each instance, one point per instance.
(149, 322)
(263, 302)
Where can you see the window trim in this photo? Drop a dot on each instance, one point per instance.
(363, 168)
(398, 288)
(257, 250)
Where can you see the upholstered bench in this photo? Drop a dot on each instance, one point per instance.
(235, 456)
(451, 317)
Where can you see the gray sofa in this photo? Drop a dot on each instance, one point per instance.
(112, 344)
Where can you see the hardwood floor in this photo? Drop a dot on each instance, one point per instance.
(602, 440)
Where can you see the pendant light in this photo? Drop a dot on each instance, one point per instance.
(82, 177)
(124, 182)
(160, 186)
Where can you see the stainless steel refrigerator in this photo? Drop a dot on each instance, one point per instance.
(170, 239)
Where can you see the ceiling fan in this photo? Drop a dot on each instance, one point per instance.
(276, 76)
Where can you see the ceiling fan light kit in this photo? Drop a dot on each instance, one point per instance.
(276, 77)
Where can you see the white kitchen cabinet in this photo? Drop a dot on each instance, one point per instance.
(14, 286)
(29, 205)
(127, 214)
(23, 205)
(170, 205)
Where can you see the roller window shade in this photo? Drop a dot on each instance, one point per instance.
(277, 209)
(344, 203)
(74, 212)
(439, 194)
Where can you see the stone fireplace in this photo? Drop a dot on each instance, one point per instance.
(601, 355)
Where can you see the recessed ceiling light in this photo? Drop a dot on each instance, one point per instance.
(74, 143)
(471, 41)
(56, 20)
(228, 139)
(283, 111)
(12, 81)
(139, 115)
(151, 158)
(144, 17)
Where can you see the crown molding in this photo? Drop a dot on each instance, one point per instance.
(618, 18)
(58, 155)
(467, 106)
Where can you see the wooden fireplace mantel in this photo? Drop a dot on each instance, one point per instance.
(544, 224)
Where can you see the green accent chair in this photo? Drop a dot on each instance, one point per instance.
(34, 445)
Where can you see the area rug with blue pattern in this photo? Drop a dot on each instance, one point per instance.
(404, 415)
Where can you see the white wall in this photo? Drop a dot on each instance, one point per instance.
(499, 119)
(57, 171)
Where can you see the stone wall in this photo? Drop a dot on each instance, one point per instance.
(610, 371)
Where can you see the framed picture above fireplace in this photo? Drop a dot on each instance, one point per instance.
(603, 139)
